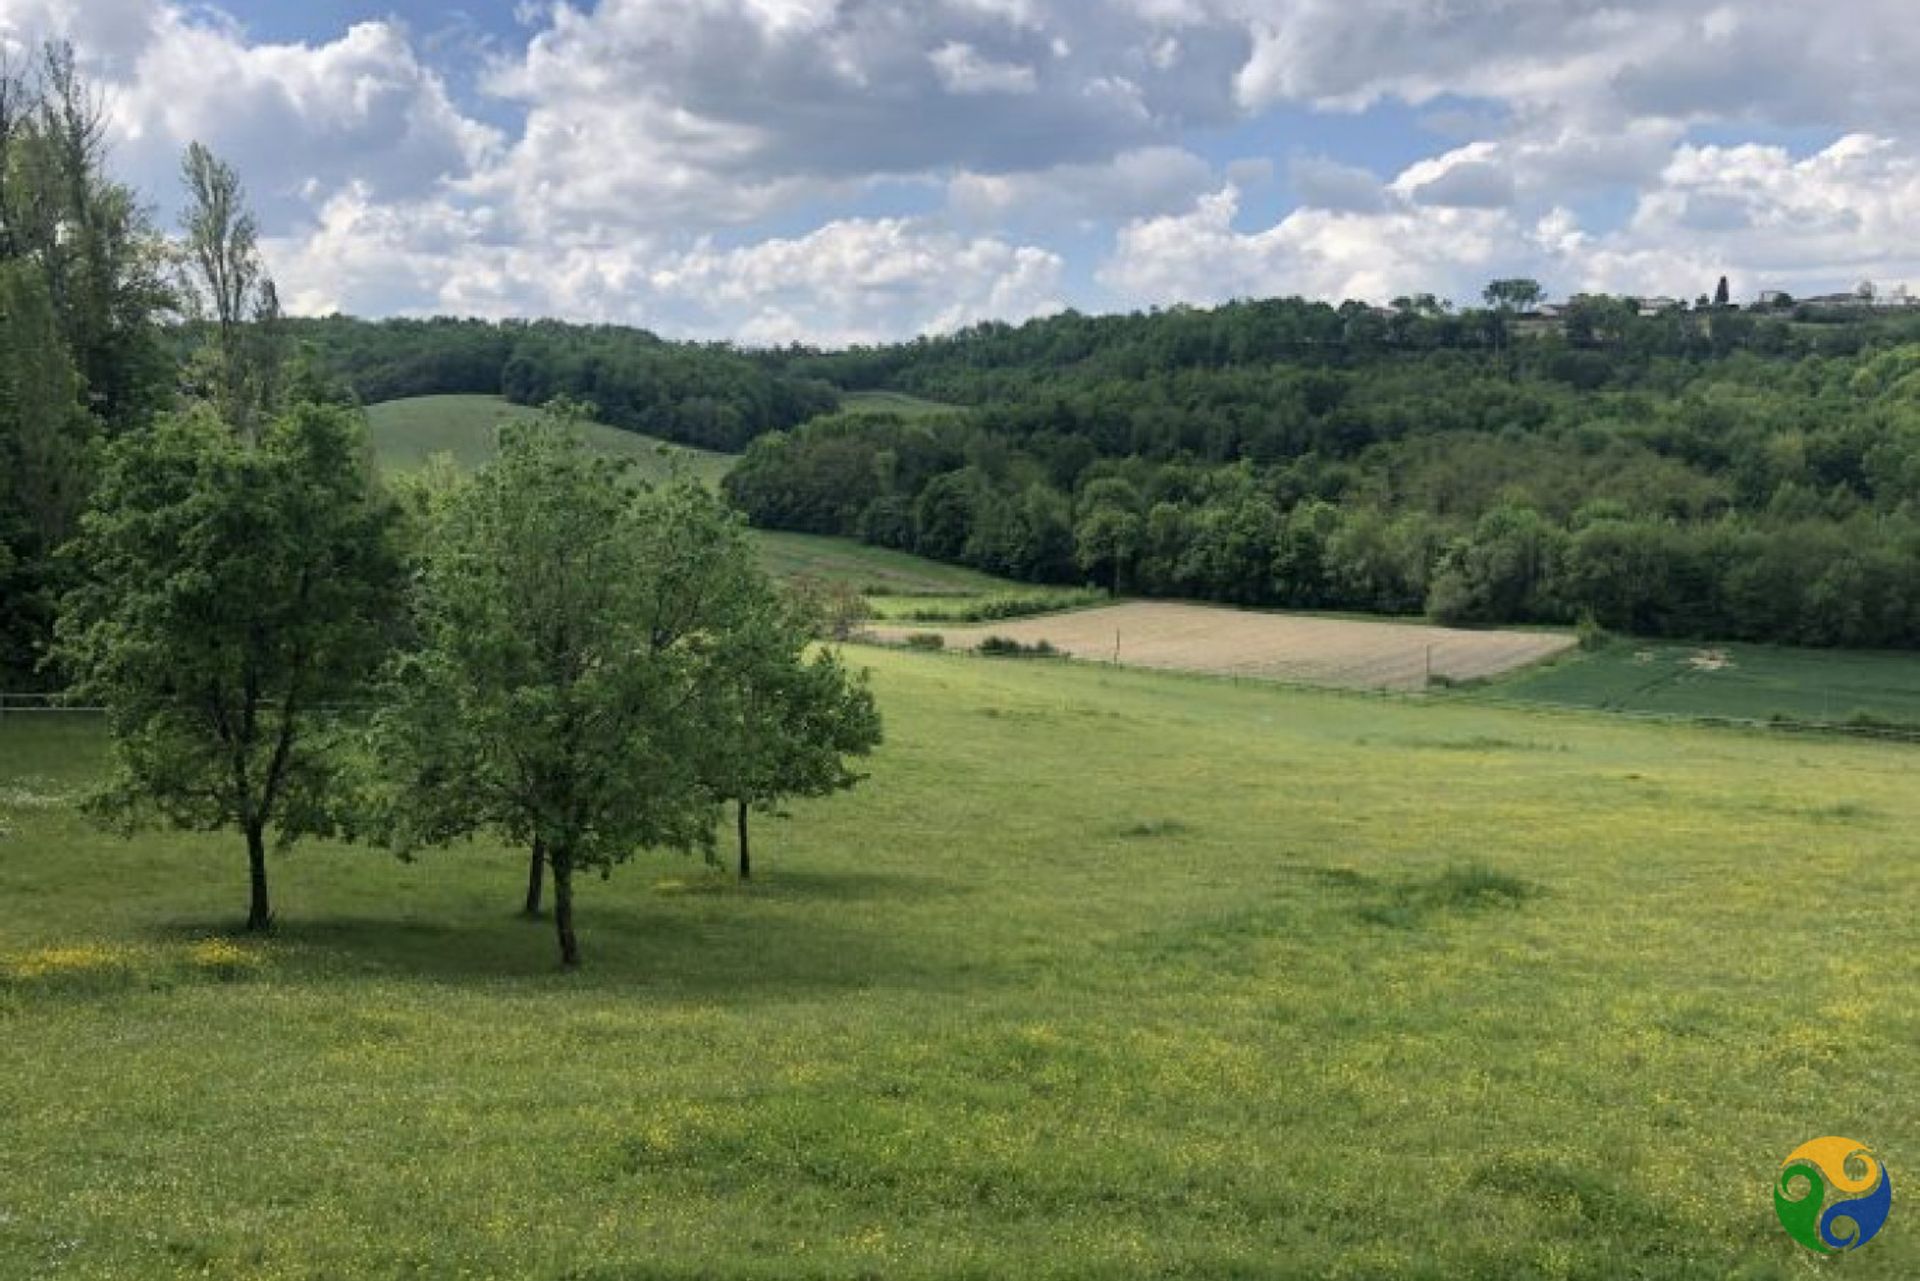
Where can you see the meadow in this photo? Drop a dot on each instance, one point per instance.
(407, 432)
(1734, 681)
(1103, 973)
(896, 584)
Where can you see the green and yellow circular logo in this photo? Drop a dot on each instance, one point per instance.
(1832, 1194)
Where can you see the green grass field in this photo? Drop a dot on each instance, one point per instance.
(1103, 974)
(407, 432)
(893, 402)
(1743, 682)
(894, 581)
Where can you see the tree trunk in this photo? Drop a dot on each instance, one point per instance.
(536, 870)
(746, 863)
(563, 908)
(259, 913)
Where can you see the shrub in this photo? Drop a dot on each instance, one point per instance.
(1007, 647)
(1590, 634)
(926, 640)
(993, 609)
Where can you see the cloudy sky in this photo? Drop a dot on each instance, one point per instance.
(852, 170)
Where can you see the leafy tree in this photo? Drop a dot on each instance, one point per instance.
(566, 625)
(79, 353)
(778, 721)
(235, 599)
(44, 436)
(1107, 534)
(1516, 294)
(1502, 572)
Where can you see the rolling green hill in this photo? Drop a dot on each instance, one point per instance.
(407, 432)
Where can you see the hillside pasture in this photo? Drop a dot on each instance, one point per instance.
(407, 432)
(893, 402)
(1103, 974)
(1736, 681)
(1283, 647)
(893, 580)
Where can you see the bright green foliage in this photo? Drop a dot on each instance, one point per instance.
(234, 599)
(565, 622)
(777, 720)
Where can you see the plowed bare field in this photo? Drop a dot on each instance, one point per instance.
(1231, 642)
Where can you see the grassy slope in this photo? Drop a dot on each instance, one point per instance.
(406, 432)
(1758, 682)
(893, 402)
(1102, 974)
(896, 581)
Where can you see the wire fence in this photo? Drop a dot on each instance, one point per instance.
(1456, 696)
(25, 704)
(16, 704)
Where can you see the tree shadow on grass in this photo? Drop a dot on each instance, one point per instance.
(743, 946)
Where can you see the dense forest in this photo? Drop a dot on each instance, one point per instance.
(1707, 471)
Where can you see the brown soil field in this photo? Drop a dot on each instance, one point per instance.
(1284, 647)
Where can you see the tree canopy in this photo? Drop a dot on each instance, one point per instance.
(234, 599)
(589, 651)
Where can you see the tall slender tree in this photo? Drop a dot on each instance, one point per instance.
(228, 284)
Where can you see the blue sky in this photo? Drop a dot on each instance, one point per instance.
(840, 171)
